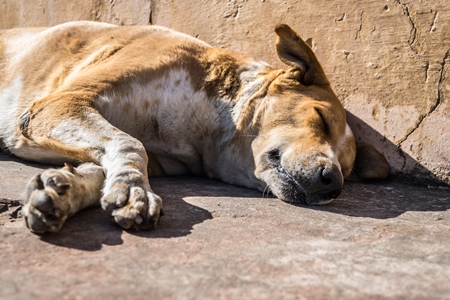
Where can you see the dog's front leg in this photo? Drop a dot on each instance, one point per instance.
(81, 133)
(56, 194)
(127, 195)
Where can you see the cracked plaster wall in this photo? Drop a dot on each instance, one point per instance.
(388, 61)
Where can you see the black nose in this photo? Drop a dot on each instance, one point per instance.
(328, 182)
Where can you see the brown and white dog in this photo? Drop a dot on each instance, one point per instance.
(134, 102)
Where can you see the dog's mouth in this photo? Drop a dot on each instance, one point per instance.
(317, 187)
(295, 195)
(290, 190)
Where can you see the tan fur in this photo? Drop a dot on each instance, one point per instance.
(148, 101)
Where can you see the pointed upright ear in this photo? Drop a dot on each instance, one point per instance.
(369, 164)
(294, 52)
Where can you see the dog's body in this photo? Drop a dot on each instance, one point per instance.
(148, 101)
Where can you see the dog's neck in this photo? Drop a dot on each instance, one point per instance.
(233, 160)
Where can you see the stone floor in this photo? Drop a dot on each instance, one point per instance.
(216, 241)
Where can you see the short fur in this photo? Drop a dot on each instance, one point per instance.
(148, 101)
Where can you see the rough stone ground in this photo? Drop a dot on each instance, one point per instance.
(216, 241)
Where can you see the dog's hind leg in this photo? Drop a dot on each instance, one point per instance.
(68, 125)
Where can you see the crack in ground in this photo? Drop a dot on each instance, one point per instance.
(432, 108)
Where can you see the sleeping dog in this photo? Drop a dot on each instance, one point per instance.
(130, 103)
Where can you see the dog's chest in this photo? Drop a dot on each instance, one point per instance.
(167, 115)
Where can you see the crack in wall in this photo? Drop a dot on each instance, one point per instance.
(427, 69)
(433, 23)
(150, 15)
(341, 18)
(358, 32)
(413, 33)
(431, 110)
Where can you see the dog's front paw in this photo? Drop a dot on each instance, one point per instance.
(132, 206)
(45, 209)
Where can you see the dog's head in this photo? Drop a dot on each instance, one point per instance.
(305, 148)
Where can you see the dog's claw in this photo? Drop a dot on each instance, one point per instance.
(139, 209)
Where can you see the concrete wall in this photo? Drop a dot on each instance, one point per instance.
(387, 60)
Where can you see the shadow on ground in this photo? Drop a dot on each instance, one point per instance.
(92, 228)
(385, 200)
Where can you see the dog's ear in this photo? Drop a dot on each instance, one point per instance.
(369, 164)
(294, 52)
(70, 168)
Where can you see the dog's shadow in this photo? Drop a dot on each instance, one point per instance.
(92, 228)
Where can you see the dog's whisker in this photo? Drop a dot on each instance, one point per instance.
(266, 191)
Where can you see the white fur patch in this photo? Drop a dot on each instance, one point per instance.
(73, 133)
(343, 142)
(9, 100)
(168, 100)
(340, 147)
(334, 158)
(165, 114)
